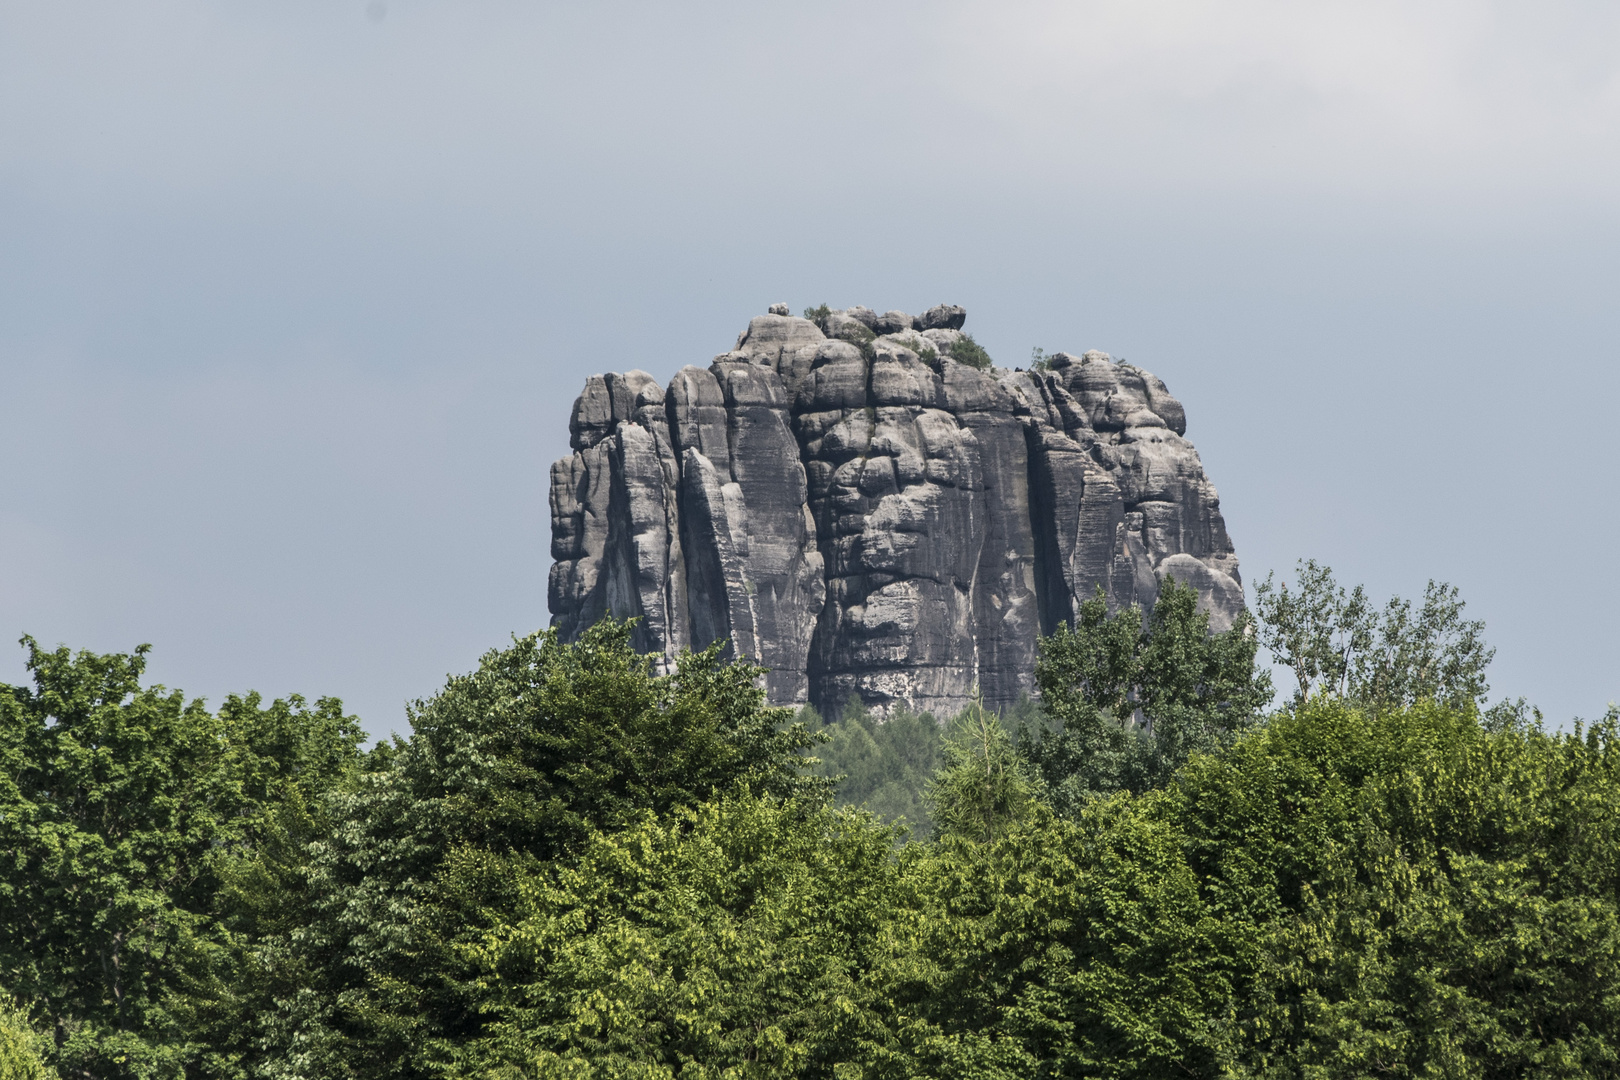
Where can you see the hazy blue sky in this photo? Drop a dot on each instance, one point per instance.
(295, 296)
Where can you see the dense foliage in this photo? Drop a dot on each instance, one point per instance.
(138, 832)
(510, 770)
(23, 1049)
(577, 868)
(880, 763)
(1132, 699)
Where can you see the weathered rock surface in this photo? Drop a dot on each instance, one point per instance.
(862, 514)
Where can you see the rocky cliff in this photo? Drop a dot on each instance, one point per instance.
(849, 503)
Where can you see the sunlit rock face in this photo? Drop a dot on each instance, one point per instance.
(859, 512)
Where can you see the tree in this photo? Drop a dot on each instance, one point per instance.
(985, 785)
(123, 811)
(1341, 893)
(23, 1050)
(522, 761)
(738, 937)
(1336, 642)
(1066, 947)
(882, 764)
(1435, 655)
(1316, 629)
(1130, 703)
(1412, 894)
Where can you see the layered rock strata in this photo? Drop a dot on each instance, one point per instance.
(848, 504)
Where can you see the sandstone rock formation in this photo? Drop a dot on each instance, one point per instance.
(847, 503)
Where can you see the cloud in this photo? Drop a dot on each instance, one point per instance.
(1365, 98)
(515, 106)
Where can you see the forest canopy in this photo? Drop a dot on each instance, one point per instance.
(577, 867)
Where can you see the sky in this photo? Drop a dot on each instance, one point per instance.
(295, 297)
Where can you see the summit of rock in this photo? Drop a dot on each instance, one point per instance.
(847, 503)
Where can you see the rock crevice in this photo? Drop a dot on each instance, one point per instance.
(849, 505)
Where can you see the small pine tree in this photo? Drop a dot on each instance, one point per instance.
(986, 785)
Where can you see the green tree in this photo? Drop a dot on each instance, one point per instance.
(291, 762)
(735, 938)
(1432, 654)
(1341, 893)
(576, 868)
(881, 763)
(985, 786)
(523, 760)
(1411, 894)
(1066, 948)
(1336, 642)
(124, 812)
(23, 1050)
(1315, 629)
(1128, 704)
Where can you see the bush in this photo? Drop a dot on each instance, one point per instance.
(22, 1049)
(970, 352)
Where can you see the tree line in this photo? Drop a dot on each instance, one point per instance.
(574, 867)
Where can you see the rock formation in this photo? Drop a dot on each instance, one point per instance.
(862, 513)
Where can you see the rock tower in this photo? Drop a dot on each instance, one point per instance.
(853, 503)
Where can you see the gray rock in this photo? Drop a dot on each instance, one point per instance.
(941, 317)
(845, 327)
(592, 418)
(863, 315)
(778, 309)
(891, 322)
(784, 343)
(942, 341)
(775, 536)
(864, 515)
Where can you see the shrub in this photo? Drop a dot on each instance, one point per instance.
(970, 352)
(22, 1049)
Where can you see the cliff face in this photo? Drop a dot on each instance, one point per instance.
(862, 513)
